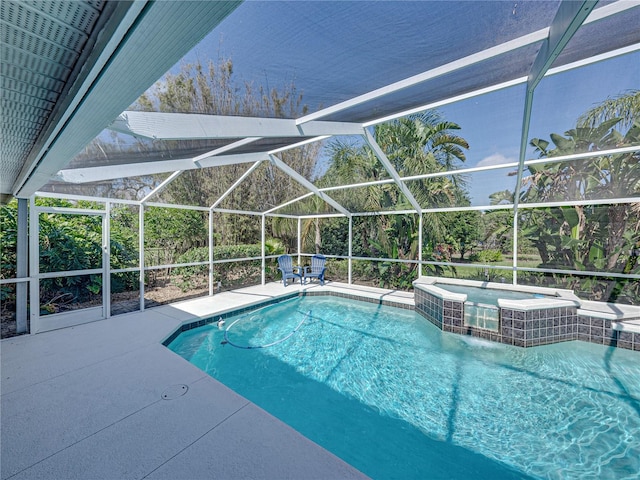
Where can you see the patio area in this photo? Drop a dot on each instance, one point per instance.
(88, 402)
(158, 158)
(106, 400)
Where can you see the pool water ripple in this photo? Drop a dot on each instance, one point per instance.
(355, 373)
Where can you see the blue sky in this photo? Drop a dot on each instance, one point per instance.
(494, 133)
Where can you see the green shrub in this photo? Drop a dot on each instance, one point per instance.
(232, 274)
(486, 256)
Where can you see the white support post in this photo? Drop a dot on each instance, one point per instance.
(34, 265)
(299, 238)
(528, 102)
(569, 17)
(141, 254)
(263, 250)
(420, 241)
(22, 265)
(106, 260)
(514, 262)
(211, 251)
(350, 248)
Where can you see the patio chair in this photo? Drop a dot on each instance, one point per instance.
(317, 268)
(285, 265)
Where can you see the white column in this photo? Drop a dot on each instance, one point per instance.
(350, 247)
(106, 260)
(262, 252)
(420, 240)
(299, 239)
(141, 254)
(211, 251)
(34, 265)
(22, 265)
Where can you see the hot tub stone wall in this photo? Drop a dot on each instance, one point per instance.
(599, 330)
(630, 340)
(538, 327)
(526, 328)
(430, 307)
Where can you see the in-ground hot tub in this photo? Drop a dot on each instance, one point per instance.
(516, 315)
(481, 306)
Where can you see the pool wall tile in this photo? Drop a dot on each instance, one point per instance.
(530, 328)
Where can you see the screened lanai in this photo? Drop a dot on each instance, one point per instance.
(157, 151)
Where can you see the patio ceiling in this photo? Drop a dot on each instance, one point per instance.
(69, 68)
(357, 63)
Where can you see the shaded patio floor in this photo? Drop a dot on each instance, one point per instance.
(87, 402)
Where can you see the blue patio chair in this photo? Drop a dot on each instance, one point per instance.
(317, 268)
(285, 265)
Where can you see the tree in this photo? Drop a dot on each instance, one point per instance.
(588, 237)
(464, 230)
(212, 89)
(414, 145)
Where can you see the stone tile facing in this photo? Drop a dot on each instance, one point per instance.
(527, 328)
(539, 327)
(431, 308)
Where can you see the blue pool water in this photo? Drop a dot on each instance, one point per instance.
(396, 397)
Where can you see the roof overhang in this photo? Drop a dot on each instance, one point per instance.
(138, 42)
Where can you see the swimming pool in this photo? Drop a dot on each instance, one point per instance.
(396, 397)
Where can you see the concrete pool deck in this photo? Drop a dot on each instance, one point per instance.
(106, 400)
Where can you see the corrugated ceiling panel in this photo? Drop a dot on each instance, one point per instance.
(40, 43)
(45, 26)
(79, 15)
(21, 61)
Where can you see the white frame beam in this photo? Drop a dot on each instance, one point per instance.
(570, 16)
(391, 170)
(516, 43)
(308, 185)
(192, 126)
(164, 184)
(463, 62)
(110, 172)
(236, 184)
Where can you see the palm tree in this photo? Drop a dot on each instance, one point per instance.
(417, 144)
(626, 107)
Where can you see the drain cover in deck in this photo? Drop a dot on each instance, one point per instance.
(174, 391)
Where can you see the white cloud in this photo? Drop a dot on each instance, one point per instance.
(495, 159)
